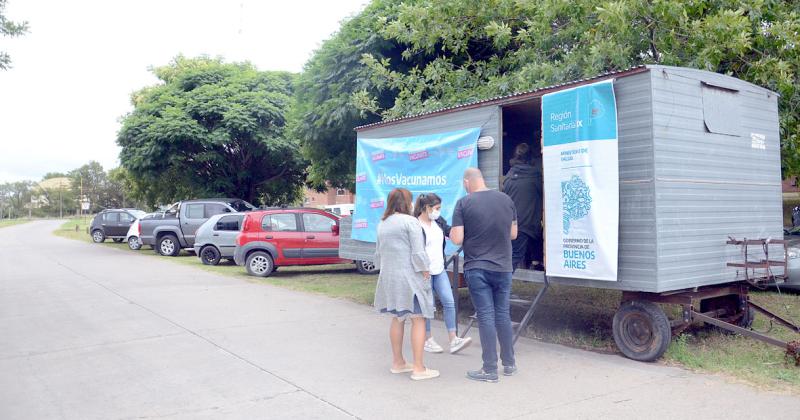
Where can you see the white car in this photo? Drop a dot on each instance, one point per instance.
(793, 268)
(132, 237)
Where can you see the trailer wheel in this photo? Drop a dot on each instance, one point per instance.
(641, 330)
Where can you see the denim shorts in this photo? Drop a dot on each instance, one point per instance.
(404, 314)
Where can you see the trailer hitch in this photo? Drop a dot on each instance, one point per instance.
(791, 348)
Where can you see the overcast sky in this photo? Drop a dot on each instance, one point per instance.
(73, 73)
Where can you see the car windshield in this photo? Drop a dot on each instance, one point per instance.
(137, 213)
(241, 205)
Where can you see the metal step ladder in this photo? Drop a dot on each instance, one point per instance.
(518, 327)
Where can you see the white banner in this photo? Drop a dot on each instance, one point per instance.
(581, 182)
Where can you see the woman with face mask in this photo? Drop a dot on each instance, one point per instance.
(428, 210)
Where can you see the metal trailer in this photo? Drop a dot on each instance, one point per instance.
(700, 211)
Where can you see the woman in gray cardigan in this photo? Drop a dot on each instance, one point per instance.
(404, 285)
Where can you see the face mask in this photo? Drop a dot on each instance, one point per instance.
(435, 214)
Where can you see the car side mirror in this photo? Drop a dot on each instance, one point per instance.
(219, 226)
(335, 228)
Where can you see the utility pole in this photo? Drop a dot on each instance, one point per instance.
(80, 199)
(60, 201)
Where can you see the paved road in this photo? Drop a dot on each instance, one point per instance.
(91, 332)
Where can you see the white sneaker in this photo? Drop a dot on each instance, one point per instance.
(459, 344)
(431, 346)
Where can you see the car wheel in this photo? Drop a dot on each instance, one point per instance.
(209, 255)
(366, 267)
(259, 263)
(169, 246)
(98, 236)
(118, 240)
(134, 244)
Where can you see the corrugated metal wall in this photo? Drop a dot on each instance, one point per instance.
(683, 189)
(637, 232)
(710, 186)
(487, 118)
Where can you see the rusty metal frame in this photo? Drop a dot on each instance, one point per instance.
(764, 265)
(691, 298)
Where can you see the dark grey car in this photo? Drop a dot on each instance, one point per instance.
(113, 224)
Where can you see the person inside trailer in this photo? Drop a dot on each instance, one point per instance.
(523, 183)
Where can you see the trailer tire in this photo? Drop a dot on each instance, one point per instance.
(641, 330)
(366, 267)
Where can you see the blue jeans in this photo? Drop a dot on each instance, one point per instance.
(441, 286)
(490, 292)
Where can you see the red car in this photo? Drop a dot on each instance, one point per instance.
(287, 236)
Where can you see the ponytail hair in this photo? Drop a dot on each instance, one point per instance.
(425, 200)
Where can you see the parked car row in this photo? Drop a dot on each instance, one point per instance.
(261, 240)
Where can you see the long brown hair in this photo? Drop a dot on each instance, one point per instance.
(425, 200)
(399, 201)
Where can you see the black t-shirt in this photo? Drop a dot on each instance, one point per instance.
(486, 217)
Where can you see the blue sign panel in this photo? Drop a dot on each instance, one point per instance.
(581, 182)
(581, 114)
(433, 163)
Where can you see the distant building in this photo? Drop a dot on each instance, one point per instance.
(328, 198)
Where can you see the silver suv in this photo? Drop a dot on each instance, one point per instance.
(216, 238)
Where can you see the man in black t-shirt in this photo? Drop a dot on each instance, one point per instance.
(485, 221)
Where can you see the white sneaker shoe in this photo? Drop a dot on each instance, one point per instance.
(459, 344)
(431, 346)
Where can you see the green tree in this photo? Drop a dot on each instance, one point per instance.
(50, 175)
(331, 88)
(15, 197)
(456, 51)
(126, 190)
(90, 182)
(212, 128)
(9, 29)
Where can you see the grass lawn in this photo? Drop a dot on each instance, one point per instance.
(12, 222)
(340, 281)
(572, 316)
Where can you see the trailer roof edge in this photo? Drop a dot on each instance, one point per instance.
(507, 99)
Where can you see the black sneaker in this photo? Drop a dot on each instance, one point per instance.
(510, 370)
(481, 375)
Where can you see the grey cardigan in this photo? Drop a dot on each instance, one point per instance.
(400, 255)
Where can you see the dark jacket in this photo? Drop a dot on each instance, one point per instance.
(446, 229)
(523, 184)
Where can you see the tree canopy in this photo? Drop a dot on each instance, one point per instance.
(11, 29)
(210, 129)
(422, 55)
